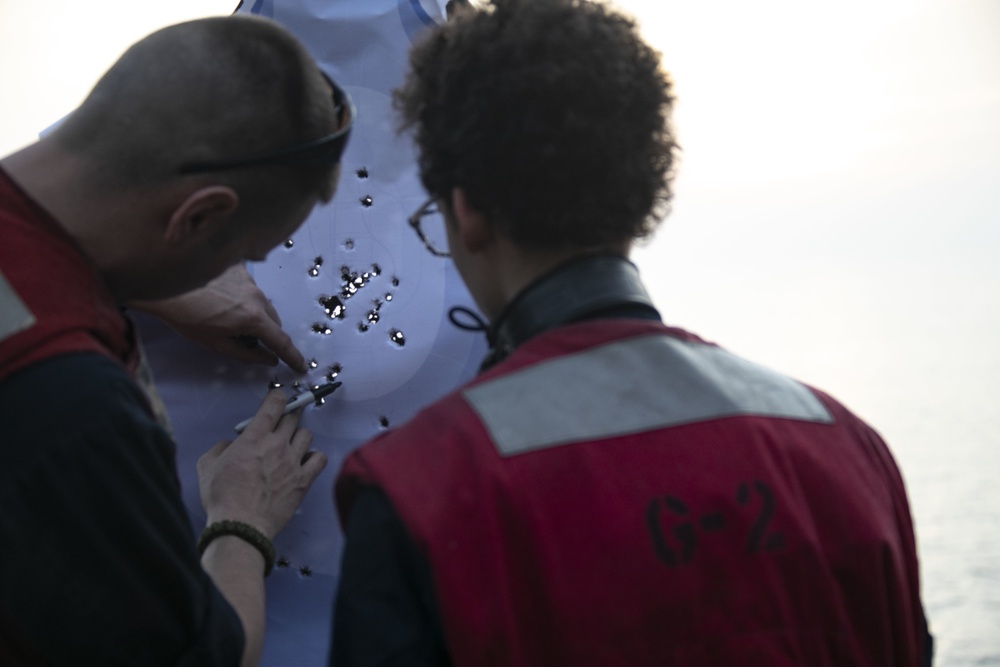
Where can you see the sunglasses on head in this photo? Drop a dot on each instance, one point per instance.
(325, 150)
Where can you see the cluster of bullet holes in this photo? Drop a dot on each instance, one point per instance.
(334, 306)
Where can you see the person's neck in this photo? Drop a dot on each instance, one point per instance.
(582, 287)
(54, 180)
(516, 269)
(50, 177)
(522, 269)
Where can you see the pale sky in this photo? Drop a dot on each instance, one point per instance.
(838, 159)
(837, 210)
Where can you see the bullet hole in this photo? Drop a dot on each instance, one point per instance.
(274, 384)
(306, 571)
(373, 314)
(362, 173)
(352, 281)
(395, 281)
(289, 243)
(388, 296)
(314, 271)
(282, 563)
(313, 364)
(349, 244)
(333, 307)
(318, 261)
(333, 371)
(321, 329)
(396, 336)
(367, 201)
(319, 401)
(383, 421)
(297, 386)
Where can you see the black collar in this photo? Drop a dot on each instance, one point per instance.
(590, 287)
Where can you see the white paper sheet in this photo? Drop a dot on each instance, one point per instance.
(362, 44)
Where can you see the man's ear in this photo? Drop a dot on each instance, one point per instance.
(204, 210)
(475, 232)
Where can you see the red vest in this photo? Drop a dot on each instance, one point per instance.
(621, 493)
(52, 300)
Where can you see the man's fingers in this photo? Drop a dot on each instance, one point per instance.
(274, 338)
(214, 452)
(300, 442)
(286, 428)
(268, 415)
(271, 311)
(312, 464)
(290, 354)
(240, 349)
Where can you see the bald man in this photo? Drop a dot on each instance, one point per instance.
(203, 147)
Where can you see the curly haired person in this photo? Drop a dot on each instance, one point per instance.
(609, 490)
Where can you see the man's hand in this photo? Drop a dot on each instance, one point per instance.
(230, 315)
(261, 477)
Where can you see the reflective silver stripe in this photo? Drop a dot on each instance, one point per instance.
(636, 385)
(14, 315)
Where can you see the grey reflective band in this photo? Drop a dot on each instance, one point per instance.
(632, 386)
(14, 315)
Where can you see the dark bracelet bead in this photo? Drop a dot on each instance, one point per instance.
(245, 532)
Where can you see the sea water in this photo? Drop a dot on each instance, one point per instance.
(915, 351)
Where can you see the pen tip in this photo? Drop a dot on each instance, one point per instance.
(326, 389)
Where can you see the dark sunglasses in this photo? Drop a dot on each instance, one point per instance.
(325, 150)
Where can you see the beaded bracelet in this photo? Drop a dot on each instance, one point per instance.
(245, 532)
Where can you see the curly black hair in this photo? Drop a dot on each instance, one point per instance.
(552, 115)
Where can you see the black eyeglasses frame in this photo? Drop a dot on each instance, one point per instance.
(414, 220)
